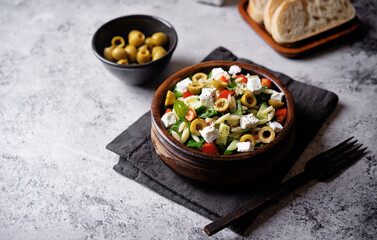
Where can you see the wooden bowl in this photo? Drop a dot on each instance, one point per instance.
(221, 170)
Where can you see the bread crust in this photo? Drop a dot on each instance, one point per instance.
(291, 21)
(295, 20)
(255, 9)
(268, 12)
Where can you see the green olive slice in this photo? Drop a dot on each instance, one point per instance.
(219, 85)
(199, 76)
(221, 105)
(196, 125)
(248, 138)
(195, 87)
(249, 100)
(266, 134)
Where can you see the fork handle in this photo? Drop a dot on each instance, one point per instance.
(263, 199)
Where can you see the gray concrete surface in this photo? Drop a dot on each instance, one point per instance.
(59, 108)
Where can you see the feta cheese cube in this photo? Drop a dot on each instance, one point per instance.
(182, 85)
(209, 133)
(254, 84)
(249, 121)
(217, 71)
(207, 97)
(245, 147)
(168, 119)
(234, 69)
(277, 96)
(276, 126)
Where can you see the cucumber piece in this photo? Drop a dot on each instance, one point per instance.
(233, 122)
(224, 133)
(261, 115)
(232, 146)
(193, 102)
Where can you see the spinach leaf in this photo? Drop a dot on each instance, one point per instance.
(239, 108)
(228, 152)
(208, 113)
(258, 145)
(177, 94)
(210, 75)
(231, 85)
(229, 140)
(194, 144)
(175, 126)
(221, 148)
(180, 108)
(200, 110)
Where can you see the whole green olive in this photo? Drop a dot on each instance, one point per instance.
(158, 54)
(148, 40)
(143, 56)
(131, 53)
(118, 41)
(119, 53)
(157, 49)
(107, 53)
(159, 39)
(123, 61)
(136, 38)
(145, 46)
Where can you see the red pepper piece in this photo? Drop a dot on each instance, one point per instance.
(209, 148)
(243, 80)
(266, 82)
(191, 115)
(280, 115)
(224, 93)
(186, 94)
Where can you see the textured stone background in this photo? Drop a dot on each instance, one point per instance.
(59, 108)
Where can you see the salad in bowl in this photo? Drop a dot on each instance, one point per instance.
(225, 112)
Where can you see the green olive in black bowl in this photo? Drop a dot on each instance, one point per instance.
(146, 24)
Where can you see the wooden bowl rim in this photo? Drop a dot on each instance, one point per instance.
(169, 83)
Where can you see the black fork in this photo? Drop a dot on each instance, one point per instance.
(321, 167)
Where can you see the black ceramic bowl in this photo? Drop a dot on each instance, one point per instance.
(138, 73)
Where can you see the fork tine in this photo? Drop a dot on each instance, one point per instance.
(350, 159)
(333, 166)
(334, 149)
(342, 156)
(341, 149)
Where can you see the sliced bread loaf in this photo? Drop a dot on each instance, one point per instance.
(269, 11)
(255, 9)
(294, 20)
